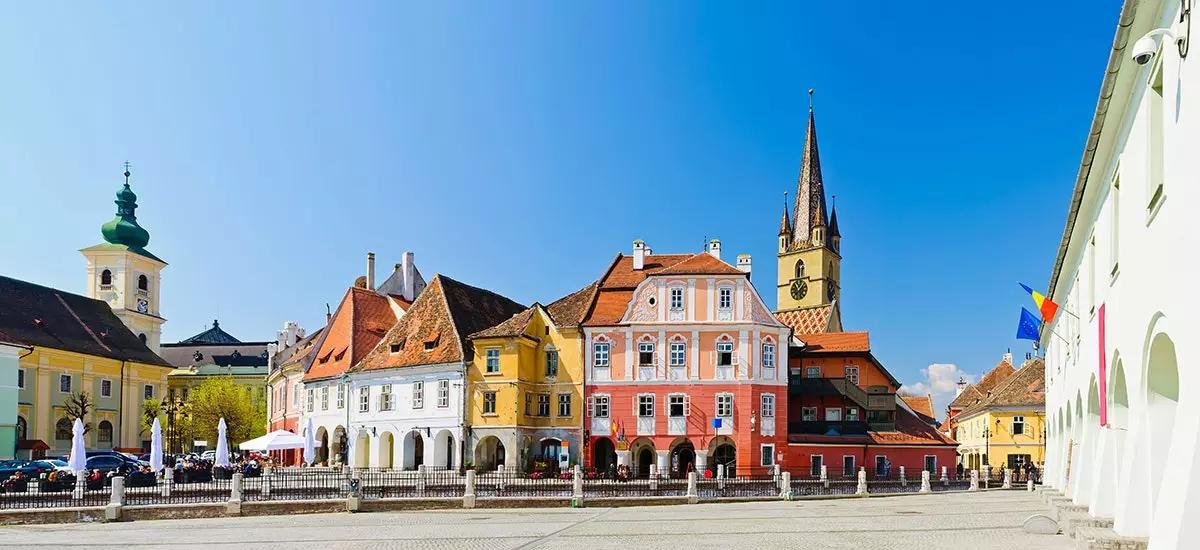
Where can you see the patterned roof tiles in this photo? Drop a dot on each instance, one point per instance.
(806, 321)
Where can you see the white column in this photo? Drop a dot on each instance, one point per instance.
(622, 458)
(741, 372)
(664, 463)
(691, 300)
(663, 306)
(712, 299)
(738, 313)
(701, 461)
(756, 353)
(695, 351)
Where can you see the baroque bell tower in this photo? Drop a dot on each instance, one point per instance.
(809, 246)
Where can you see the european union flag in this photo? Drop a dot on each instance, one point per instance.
(1027, 327)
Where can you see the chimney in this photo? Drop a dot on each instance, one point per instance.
(714, 248)
(280, 339)
(291, 327)
(370, 271)
(639, 254)
(959, 386)
(328, 315)
(743, 263)
(410, 276)
(1008, 357)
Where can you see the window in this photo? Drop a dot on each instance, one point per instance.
(677, 298)
(880, 464)
(20, 379)
(418, 393)
(931, 463)
(364, 399)
(768, 455)
(142, 337)
(724, 297)
(341, 399)
(833, 414)
(528, 403)
(768, 356)
(767, 409)
(143, 283)
(1154, 145)
(311, 401)
(492, 361)
(147, 392)
(724, 354)
(325, 398)
(724, 405)
(852, 414)
(104, 432)
(848, 464)
(799, 269)
(646, 405)
(64, 383)
(816, 461)
(543, 404)
(812, 372)
(646, 353)
(62, 430)
(106, 388)
(296, 394)
(564, 405)
(489, 402)
(1115, 225)
(551, 363)
(808, 414)
(600, 355)
(184, 393)
(1091, 267)
(600, 406)
(852, 375)
(443, 393)
(678, 354)
(1018, 425)
(105, 278)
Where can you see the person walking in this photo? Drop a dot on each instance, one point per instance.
(960, 470)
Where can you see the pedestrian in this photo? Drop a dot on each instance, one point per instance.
(960, 470)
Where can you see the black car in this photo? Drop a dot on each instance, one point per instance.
(110, 466)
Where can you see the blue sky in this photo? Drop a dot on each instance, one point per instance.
(518, 146)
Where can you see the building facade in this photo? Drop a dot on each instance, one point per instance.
(1121, 404)
(286, 358)
(1006, 428)
(683, 367)
(528, 375)
(213, 353)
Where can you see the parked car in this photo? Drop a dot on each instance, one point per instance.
(209, 455)
(136, 472)
(52, 464)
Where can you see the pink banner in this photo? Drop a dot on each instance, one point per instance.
(1103, 370)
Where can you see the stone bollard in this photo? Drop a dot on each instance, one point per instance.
(974, 480)
(1029, 485)
(987, 475)
(903, 479)
(692, 497)
(862, 482)
(421, 480)
(653, 477)
(354, 499)
(945, 478)
(266, 483)
(1007, 479)
(80, 485)
(234, 506)
(925, 488)
(825, 476)
(500, 470)
(785, 490)
(168, 479)
(720, 476)
(116, 500)
(469, 490)
(577, 487)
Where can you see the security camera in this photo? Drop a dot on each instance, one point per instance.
(1146, 47)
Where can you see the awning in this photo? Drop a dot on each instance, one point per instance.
(275, 441)
(32, 445)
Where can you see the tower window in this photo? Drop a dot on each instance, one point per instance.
(106, 278)
(799, 269)
(142, 337)
(143, 283)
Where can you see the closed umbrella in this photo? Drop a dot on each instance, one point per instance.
(222, 446)
(78, 460)
(156, 447)
(310, 451)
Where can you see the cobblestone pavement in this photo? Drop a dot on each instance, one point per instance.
(921, 522)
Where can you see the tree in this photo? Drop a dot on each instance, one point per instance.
(151, 409)
(220, 397)
(79, 405)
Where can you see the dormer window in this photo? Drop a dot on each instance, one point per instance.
(395, 348)
(432, 344)
(105, 279)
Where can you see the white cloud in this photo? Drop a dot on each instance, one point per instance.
(940, 381)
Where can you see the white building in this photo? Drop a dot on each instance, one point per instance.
(1124, 417)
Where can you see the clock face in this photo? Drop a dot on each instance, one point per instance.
(799, 290)
(143, 306)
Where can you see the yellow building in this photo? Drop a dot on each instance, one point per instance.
(525, 401)
(216, 353)
(1005, 427)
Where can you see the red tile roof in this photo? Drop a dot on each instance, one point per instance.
(1026, 386)
(910, 430)
(806, 321)
(837, 342)
(570, 310)
(922, 405)
(701, 264)
(993, 378)
(617, 285)
(359, 323)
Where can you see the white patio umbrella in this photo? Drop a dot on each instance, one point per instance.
(156, 447)
(78, 460)
(222, 446)
(277, 440)
(310, 445)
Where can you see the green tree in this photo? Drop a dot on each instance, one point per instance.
(151, 409)
(79, 405)
(220, 397)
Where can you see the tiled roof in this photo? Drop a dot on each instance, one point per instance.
(570, 310)
(910, 430)
(806, 321)
(978, 391)
(922, 405)
(810, 191)
(435, 328)
(513, 326)
(35, 315)
(359, 323)
(701, 264)
(244, 354)
(837, 342)
(1027, 386)
(622, 275)
(213, 335)
(617, 285)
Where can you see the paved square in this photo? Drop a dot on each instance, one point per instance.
(919, 522)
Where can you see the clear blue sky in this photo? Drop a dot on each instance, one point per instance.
(519, 145)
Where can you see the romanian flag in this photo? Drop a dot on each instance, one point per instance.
(1046, 306)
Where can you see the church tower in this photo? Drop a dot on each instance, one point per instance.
(124, 274)
(809, 244)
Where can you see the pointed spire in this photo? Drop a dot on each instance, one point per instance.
(785, 225)
(833, 226)
(810, 210)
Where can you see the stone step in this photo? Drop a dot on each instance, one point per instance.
(1048, 494)
(1101, 538)
(1058, 507)
(1071, 521)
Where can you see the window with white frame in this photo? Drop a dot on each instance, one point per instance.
(768, 356)
(551, 363)
(725, 297)
(848, 464)
(677, 298)
(767, 408)
(418, 394)
(543, 404)
(106, 388)
(64, 383)
(564, 405)
(724, 405)
(678, 354)
(852, 374)
(492, 361)
(489, 402)
(341, 399)
(931, 463)
(296, 394)
(808, 414)
(325, 398)
(812, 372)
(148, 391)
(833, 414)
(443, 393)
(768, 454)
(724, 354)
(311, 402)
(600, 406)
(646, 353)
(600, 354)
(364, 399)
(676, 405)
(1018, 425)
(528, 403)
(646, 405)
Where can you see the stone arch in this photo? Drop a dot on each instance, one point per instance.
(682, 457)
(322, 440)
(490, 454)
(62, 429)
(104, 434)
(1162, 401)
(414, 450)
(361, 449)
(1090, 461)
(386, 449)
(641, 455)
(339, 447)
(604, 455)
(722, 451)
(443, 450)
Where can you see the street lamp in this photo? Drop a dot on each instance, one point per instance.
(345, 380)
(175, 411)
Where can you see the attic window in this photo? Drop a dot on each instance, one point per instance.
(431, 345)
(325, 359)
(396, 348)
(197, 356)
(340, 354)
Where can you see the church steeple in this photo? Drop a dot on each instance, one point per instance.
(810, 211)
(124, 228)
